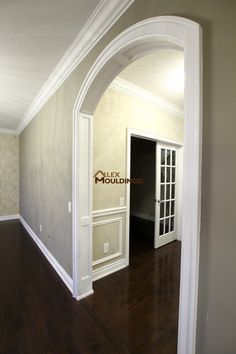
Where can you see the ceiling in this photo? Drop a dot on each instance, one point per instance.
(160, 73)
(34, 35)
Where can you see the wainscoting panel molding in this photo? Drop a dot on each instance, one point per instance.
(119, 252)
(108, 269)
(111, 211)
(110, 214)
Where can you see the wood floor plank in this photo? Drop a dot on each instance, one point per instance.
(134, 310)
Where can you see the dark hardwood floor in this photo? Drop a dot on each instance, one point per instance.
(134, 310)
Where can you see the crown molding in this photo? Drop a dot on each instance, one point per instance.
(101, 20)
(130, 89)
(8, 131)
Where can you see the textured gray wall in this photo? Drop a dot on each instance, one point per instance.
(217, 288)
(45, 179)
(9, 175)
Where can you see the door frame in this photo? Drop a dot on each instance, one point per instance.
(125, 48)
(157, 139)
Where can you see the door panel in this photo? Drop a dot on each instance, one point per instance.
(166, 193)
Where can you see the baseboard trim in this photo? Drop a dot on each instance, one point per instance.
(142, 216)
(109, 269)
(81, 297)
(58, 268)
(9, 217)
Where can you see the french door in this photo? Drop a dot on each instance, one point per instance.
(166, 195)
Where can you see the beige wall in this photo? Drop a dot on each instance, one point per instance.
(114, 114)
(111, 121)
(217, 287)
(9, 175)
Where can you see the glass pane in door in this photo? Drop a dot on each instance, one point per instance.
(173, 157)
(162, 191)
(163, 156)
(168, 191)
(168, 157)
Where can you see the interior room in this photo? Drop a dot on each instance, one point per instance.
(142, 98)
(127, 218)
(117, 170)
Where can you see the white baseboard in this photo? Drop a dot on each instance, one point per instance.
(58, 268)
(9, 217)
(142, 216)
(78, 298)
(108, 269)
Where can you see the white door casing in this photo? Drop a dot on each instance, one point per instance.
(126, 47)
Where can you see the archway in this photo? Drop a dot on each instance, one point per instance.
(125, 48)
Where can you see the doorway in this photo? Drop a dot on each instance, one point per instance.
(155, 203)
(142, 196)
(124, 48)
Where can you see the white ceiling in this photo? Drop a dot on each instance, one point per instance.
(34, 35)
(161, 73)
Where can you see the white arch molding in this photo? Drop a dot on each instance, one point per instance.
(125, 48)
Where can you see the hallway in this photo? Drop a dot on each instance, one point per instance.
(132, 311)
